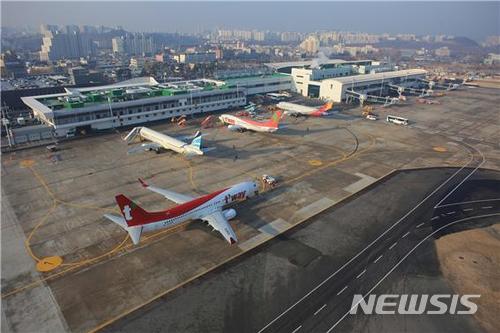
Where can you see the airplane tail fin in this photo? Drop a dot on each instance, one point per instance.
(327, 106)
(196, 143)
(275, 119)
(133, 214)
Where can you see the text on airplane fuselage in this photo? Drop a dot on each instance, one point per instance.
(238, 196)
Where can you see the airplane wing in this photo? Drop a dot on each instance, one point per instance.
(144, 146)
(219, 223)
(170, 195)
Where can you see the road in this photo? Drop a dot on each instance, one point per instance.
(305, 280)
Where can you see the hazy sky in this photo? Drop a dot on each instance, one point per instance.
(471, 19)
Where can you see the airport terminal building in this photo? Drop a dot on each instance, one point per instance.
(143, 100)
(335, 79)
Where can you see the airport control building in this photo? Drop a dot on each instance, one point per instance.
(143, 100)
(337, 79)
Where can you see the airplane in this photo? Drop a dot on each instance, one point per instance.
(244, 124)
(296, 110)
(209, 208)
(163, 141)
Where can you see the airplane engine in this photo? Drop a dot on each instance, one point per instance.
(229, 213)
(234, 128)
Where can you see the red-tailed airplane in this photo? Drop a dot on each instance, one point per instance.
(296, 110)
(209, 208)
(245, 124)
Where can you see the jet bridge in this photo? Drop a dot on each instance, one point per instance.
(352, 95)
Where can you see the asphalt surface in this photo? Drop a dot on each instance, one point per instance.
(379, 241)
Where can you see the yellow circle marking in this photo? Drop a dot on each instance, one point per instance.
(440, 149)
(48, 263)
(315, 162)
(27, 163)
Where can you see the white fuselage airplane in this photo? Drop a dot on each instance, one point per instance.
(245, 124)
(160, 140)
(293, 109)
(209, 208)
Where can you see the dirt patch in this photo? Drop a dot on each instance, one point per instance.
(470, 261)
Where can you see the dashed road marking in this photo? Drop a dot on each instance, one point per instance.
(418, 226)
(343, 289)
(487, 207)
(405, 235)
(434, 218)
(297, 329)
(451, 213)
(379, 257)
(392, 246)
(467, 209)
(360, 274)
(321, 308)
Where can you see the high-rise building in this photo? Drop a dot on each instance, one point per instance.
(118, 45)
(258, 35)
(139, 43)
(290, 36)
(66, 43)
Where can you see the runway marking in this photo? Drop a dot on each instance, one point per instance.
(467, 209)
(487, 207)
(402, 259)
(435, 218)
(392, 246)
(297, 329)
(451, 213)
(466, 177)
(343, 289)
(419, 225)
(361, 274)
(468, 202)
(372, 242)
(379, 257)
(321, 308)
(405, 234)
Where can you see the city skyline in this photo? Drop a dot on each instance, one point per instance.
(461, 19)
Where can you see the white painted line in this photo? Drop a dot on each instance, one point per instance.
(297, 329)
(487, 207)
(360, 274)
(418, 226)
(467, 177)
(379, 257)
(319, 310)
(468, 202)
(405, 235)
(392, 246)
(340, 292)
(451, 213)
(402, 259)
(374, 241)
(435, 218)
(467, 209)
